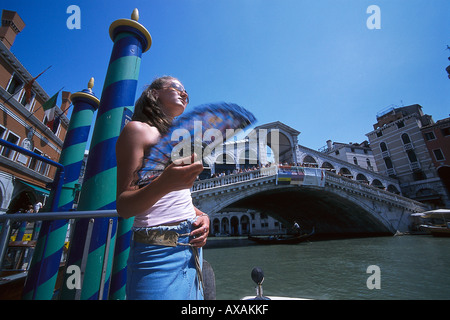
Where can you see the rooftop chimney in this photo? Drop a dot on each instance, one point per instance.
(12, 24)
(65, 104)
(329, 145)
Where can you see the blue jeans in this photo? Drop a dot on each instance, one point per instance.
(163, 273)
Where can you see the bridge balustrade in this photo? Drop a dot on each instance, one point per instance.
(331, 179)
(234, 178)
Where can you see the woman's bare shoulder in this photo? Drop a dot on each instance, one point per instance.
(137, 131)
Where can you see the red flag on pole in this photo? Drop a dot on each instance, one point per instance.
(29, 85)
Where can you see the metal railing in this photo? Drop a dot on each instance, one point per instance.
(6, 219)
(57, 185)
(59, 176)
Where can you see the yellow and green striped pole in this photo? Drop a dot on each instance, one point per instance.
(98, 192)
(43, 272)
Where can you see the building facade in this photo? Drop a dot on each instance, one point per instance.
(359, 154)
(437, 140)
(400, 151)
(244, 222)
(23, 121)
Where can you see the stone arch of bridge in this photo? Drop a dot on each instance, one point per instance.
(328, 212)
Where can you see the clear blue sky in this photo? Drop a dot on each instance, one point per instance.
(314, 65)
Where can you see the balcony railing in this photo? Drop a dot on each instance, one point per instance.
(408, 146)
(415, 166)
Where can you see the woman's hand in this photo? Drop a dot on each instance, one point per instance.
(135, 138)
(181, 174)
(200, 234)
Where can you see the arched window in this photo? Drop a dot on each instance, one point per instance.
(345, 173)
(393, 189)
(388, 163)
(309, 161)
(405, 139)
(362, 178)
(377, 183)
(412, 156)
(355, 161)
(383, 146)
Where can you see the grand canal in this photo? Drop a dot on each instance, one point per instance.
(410, 267)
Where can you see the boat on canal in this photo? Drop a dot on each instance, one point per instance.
(438, 222)
(438, 231)
(281, 239)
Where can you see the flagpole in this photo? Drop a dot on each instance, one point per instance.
(29, 85)
(42, 104)
(18, 90)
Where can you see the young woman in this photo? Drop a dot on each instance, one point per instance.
(168, 231)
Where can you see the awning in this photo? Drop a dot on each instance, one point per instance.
(37, 189)
(438, 213)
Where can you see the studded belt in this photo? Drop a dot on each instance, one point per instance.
(168, 238)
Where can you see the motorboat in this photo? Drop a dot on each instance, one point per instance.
(438, 224)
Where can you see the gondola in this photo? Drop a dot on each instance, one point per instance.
(282, 239)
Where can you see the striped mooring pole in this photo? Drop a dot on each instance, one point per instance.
(43, 272)
(105, 239)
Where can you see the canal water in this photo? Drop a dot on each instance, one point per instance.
(406, 267)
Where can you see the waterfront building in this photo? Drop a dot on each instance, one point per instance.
(400, 152)
(437, 140)
(23, 121)
(359, 154)
(239, 222)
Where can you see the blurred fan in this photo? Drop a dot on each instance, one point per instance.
(186, 135)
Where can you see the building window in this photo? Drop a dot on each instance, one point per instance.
(29, 104)
(383, 146)
(2, 131)
(355, 161)
(14, 86)
(438, 154)
(405, 139)
(388, 163)
(412, 156)
(430, 136)
(400, 124)
(14, 139)
(379, 134)
(34, 163)
(44, 168)
(419, 175)
(445, 131)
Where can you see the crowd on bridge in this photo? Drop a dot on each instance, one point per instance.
(238, 171)
(246, 169)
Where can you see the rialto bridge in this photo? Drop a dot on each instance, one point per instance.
(341, 198)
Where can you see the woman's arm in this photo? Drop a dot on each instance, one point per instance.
(135, 138)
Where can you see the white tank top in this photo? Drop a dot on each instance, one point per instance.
(173, 207)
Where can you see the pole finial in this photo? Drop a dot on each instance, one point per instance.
(91, 83)
(135, 15)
